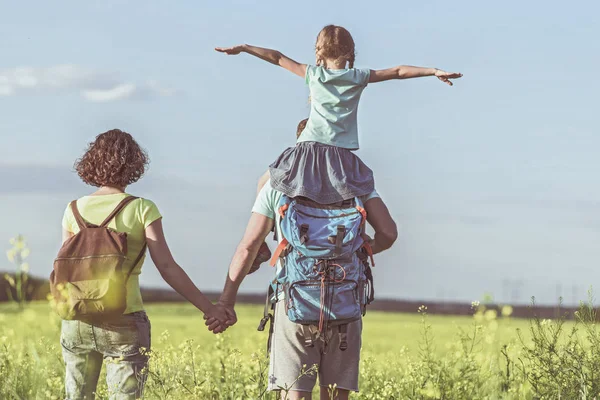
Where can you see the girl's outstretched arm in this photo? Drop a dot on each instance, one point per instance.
(407, 72)
(272, 56)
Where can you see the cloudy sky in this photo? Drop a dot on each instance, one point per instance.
(493, 182)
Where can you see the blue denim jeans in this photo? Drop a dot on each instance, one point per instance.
(122, 342)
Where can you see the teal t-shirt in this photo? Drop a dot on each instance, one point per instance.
(334, 97)
(267, 201)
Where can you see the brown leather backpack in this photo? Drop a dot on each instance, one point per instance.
(88, 281)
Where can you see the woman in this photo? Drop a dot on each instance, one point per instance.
(111, 163)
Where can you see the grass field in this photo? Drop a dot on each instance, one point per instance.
(403, 356)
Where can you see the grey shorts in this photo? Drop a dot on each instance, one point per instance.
(289, 355)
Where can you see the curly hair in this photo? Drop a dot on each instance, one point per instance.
(301, 126)
(113, 159)
(335, 43)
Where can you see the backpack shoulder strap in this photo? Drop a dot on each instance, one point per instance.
(117, 210)
(80, 221)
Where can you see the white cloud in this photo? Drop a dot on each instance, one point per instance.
(92, 85)
(119, 92)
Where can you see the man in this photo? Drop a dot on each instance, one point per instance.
(289, 356)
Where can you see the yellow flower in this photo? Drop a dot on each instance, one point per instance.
(507, 311)
(490, 315)
(9, 279)
(10, 254)
(25, 253)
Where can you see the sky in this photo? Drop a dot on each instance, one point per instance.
(492, 182)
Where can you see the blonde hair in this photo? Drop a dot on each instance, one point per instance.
(335, 43)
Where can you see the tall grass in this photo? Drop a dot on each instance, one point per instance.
(485, 356)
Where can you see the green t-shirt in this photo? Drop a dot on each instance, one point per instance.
(133, 219)
(267, 201)
(334, 97)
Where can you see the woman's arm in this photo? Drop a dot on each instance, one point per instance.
(272, 56)
(175, 276)
(408, 72)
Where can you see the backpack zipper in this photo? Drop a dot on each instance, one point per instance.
(325, 217)
(87, 257)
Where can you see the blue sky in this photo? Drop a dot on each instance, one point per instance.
(492, 181)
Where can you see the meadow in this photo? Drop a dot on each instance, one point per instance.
(404, 356)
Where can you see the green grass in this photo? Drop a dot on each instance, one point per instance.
(394, 360)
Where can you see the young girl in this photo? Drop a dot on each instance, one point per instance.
(322, 165)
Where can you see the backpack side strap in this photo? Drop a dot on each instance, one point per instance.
(137, 260)
(268, 316)
(117, 210)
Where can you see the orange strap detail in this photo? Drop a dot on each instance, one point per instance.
(369, 249)
(362, 212)
(283, 209)
(278, 251)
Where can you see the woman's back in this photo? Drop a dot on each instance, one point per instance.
(133, 220)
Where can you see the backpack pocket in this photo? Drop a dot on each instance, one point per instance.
(88, 287)
(338, 302)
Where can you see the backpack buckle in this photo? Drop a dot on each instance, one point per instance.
(343, 336)
(339, 238)
(308, 339)
(303, 233)
(263, 322)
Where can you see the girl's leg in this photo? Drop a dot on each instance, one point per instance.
(82, 362)
(262, 181)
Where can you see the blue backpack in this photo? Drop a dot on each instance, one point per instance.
(325, 278)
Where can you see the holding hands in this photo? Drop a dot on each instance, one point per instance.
(220, 317)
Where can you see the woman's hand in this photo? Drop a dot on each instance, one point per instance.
(231, 50)
(215, 321)
(446, 76)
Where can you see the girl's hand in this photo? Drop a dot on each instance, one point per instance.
(446, 76)
(231, 50)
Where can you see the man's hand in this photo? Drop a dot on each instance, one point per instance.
(217, 326)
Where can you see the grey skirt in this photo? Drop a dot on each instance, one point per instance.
(325, 174)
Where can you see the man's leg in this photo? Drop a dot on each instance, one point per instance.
(340, 369)
(292, 364)
(296, 395)
(339, 394)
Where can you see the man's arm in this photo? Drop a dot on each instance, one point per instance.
(257, 230)
(378, 216)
